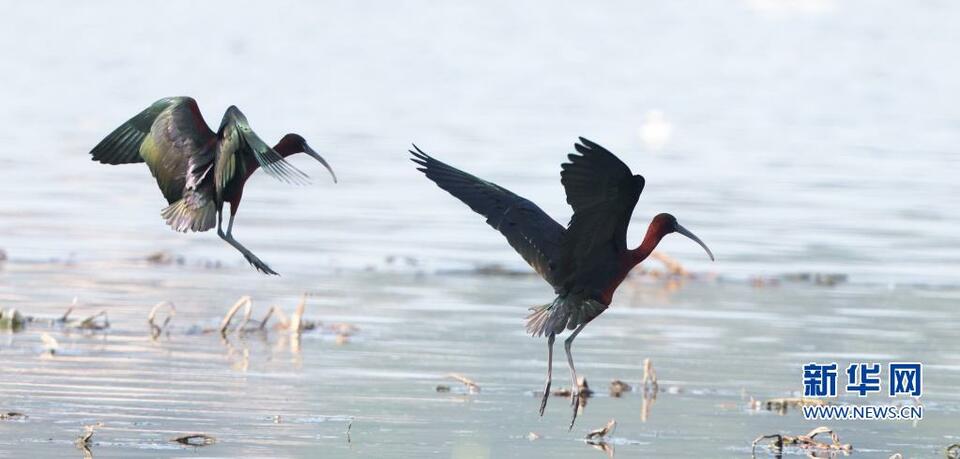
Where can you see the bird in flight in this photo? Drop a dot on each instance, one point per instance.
(198, 170)
(584, 262)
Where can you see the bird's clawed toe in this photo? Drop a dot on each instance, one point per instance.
(576, 409)
(260, 265)
(266, 269)
(543, 400)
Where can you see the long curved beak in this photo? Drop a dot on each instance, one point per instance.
(316, 156)
(690, 235)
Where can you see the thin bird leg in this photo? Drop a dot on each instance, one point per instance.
(256, 262)
(546, 388)
(220, 224)
(574, 389)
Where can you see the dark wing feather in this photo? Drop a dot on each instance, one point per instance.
(529, 230)
(178, 148)
(122, 146)
(240, 145)
(603, 192)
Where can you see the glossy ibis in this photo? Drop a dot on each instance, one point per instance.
(198, 169)
(584, 262)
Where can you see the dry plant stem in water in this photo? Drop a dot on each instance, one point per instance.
(780, 405)
(157, 330)
(85, 441)
(242, 302)
(472, 387)
(196, 439)
(650, 385)
(806, 442)
(618, 388)
(597, 437)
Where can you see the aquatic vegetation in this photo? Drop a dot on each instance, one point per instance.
(780, 405)
(607, 429)
(618, 387)
(597, 438)
(156, 330)
(11, 319)
(472, 387)
(804, 442)
(85, 440)
(195, 439)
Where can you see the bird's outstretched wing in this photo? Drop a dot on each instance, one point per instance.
(239, 145)
(122, 146)
(603, 192)
(529, 230)
(171, 137)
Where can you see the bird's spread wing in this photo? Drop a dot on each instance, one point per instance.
(239, 145)
(603, 192)
(529, 230)
(178, 147)
(122, 146)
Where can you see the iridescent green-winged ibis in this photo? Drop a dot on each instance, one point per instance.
(197, 169)
(584, 262)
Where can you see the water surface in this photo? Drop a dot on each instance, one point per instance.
(803, 137)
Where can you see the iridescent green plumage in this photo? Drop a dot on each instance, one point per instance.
(198, 170)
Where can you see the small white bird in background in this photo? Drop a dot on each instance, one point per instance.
(655, 131)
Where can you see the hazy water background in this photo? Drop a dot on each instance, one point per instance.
(804, 137)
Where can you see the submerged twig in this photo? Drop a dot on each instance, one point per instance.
(672, 266)
(646, 404)
(603, 446)
(607, 429)
(90, 323)
(296, 320)
(266, 317)
(807, 442)
(597, 438)
(84, 442)
(650, 385)
(294, 325)
(197, 439)
(66, 314)
(583, 390)
(472, 387)
(780, 405)
(618, 387)
(244, 301)
(156, 330)
(282, 320)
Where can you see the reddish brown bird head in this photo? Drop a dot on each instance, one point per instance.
(660, 226)
(294, 143)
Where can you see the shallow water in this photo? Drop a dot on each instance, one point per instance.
(804, 137)
(714, 345)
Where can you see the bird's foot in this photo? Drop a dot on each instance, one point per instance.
(543, 400)
(576, 408)
(259, 264)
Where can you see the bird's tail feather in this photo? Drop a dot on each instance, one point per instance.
(194, 212)
(552, 318)
(547, 319)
